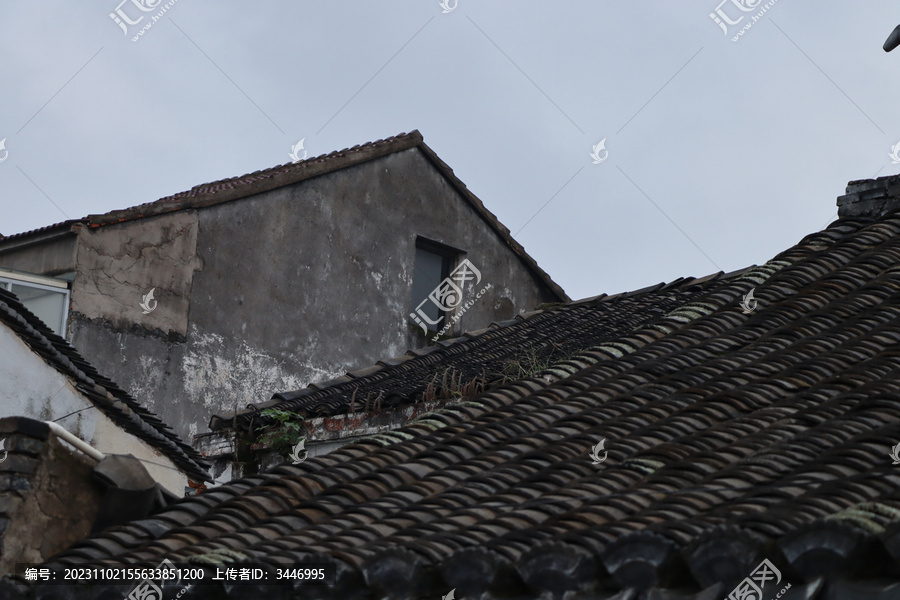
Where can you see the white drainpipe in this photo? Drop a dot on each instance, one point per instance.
(74, 440)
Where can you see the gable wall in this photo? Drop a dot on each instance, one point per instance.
(291, 286)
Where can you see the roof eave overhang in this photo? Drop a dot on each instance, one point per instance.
(37, 237)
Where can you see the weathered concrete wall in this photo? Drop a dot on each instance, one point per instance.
(119, 264)
(295, 285)
(29, 387)
(48, 500)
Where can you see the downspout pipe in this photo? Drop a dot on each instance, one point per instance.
(74, 440)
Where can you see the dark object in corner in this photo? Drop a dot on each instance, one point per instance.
(893, 40)
(130, 493)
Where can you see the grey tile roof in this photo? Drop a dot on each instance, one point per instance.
(731, 438)
(115, 403)
(481, 358)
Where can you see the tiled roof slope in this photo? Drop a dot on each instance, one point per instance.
(114, 402)
(485, 357)
(731, 438)
(234, 188)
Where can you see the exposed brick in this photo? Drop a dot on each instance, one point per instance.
(17, 463)
(24, 445)
(9, 503)
(870, 197)
(11, 481)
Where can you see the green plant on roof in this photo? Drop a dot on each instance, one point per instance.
(284, 432)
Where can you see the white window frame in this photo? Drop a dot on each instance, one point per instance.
(41, 282)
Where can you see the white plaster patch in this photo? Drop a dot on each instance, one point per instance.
(248, 375)
(148, 381)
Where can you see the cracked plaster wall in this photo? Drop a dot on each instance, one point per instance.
(118, 265)
(277, 290)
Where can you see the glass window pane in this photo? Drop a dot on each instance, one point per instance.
(429, 272)
(49, 306)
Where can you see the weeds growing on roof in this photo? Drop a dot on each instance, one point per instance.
(451, 386)
(285, 432)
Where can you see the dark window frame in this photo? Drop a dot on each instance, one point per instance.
(450, 258)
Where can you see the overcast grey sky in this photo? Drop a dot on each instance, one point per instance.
(720, 153)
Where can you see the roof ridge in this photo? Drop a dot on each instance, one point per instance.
(219, 191)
